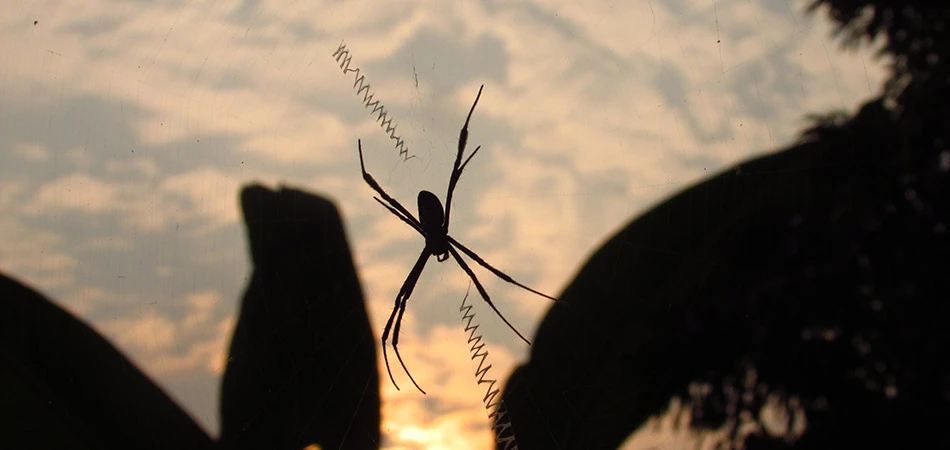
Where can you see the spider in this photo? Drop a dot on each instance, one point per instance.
(433, 225)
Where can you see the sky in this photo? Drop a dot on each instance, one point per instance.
(127, 129)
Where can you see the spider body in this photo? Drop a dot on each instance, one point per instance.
(433, 225)
(432, 219)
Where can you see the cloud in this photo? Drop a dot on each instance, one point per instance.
(149, 333)
(202, 198)
(84, 299)
(107, 243)
(166, 346)
(32, 152)
(38, 256)
(79, 193)
(201, 305)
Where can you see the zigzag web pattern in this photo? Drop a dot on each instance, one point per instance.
(343, 56)
(504, 432)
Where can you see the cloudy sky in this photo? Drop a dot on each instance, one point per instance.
(128, 127)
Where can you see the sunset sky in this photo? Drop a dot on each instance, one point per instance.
(127, 129)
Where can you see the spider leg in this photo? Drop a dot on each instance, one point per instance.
(462, 167)
(493, 270)
(481, 290)
(389, 324)
(406, 215)
(399, 215)
(402, 309)
(458, 166)
(398, 309)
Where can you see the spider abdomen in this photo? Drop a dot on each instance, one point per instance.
(431, 217)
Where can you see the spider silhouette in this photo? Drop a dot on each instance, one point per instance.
(433, 225)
